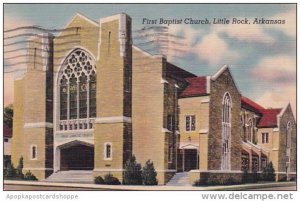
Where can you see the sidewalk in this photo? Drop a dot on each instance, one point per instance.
(152, 188)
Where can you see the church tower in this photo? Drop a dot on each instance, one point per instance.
(112, 134)
(33, 132)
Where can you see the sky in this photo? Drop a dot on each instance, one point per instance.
(262, 57)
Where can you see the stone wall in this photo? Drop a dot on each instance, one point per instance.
(286, 117)
(224, 83)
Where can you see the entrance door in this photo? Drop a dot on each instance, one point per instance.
(190, 159)
(77, 157)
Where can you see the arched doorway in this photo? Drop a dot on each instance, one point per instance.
(77, 155)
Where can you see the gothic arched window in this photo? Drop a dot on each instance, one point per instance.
(249, 130)
(77, 91)
(226, 131)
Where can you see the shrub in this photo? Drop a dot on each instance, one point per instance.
(19, 170)
(245, 177)
(29, 176)
(99, 180)
(255, 177)
(283, 179)
(10, 172)
(149, 174)
(109, 179)
(231, 181)
(268, 173)
(133, 172)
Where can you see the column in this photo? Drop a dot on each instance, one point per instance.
(250, 161)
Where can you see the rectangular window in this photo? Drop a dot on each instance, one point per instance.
(5, 139)
(190, 123)
(265, 138)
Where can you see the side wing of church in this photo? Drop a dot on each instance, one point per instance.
(90, 99)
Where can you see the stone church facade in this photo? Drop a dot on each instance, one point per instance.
(93, 99)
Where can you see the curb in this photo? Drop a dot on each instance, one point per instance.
(151, 188)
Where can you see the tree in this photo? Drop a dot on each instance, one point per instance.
(133, 172)
(20, 168)
(149, 174)
(268, 173)
(8, 116)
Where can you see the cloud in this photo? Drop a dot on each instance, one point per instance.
(8, 89)
(214, 50)
(277, 69)
(246, 32)
(289, 28)
(279, 98)
(278, 74)
(11, 22)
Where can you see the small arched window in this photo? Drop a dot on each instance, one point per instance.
(33, 152)
(288, 135)
(107, 151)
(249, 130)
(226, 131)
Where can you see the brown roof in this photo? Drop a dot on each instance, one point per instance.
(269, 118)
(7, 132)
(196, 87)
(251, 105)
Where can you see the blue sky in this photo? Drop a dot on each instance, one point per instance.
(262, 57)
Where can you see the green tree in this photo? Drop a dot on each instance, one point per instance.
(133, 172)
(20, 168)
(8, 116)
(268, 173)
(149, 174)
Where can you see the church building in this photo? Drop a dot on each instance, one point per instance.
(90, 99)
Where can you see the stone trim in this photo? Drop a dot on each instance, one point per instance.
(275, 129)
(34, 168)
(38, 125)
(170, 170)
(217, 74)
(208, 84)
(203, 131)
(107, 170)
(146, 53)
(205, 100)
(165, 130)
(217, 171)
(163, 81)
(285, 173)
(113, 119)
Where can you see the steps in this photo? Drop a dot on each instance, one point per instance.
(180, 179)
(72, 176)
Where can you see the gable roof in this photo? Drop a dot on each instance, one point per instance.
(220, 72)
(197, 87)
(269, 118)
(251, 105)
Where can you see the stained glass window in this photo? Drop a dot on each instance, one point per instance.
(77, 88)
